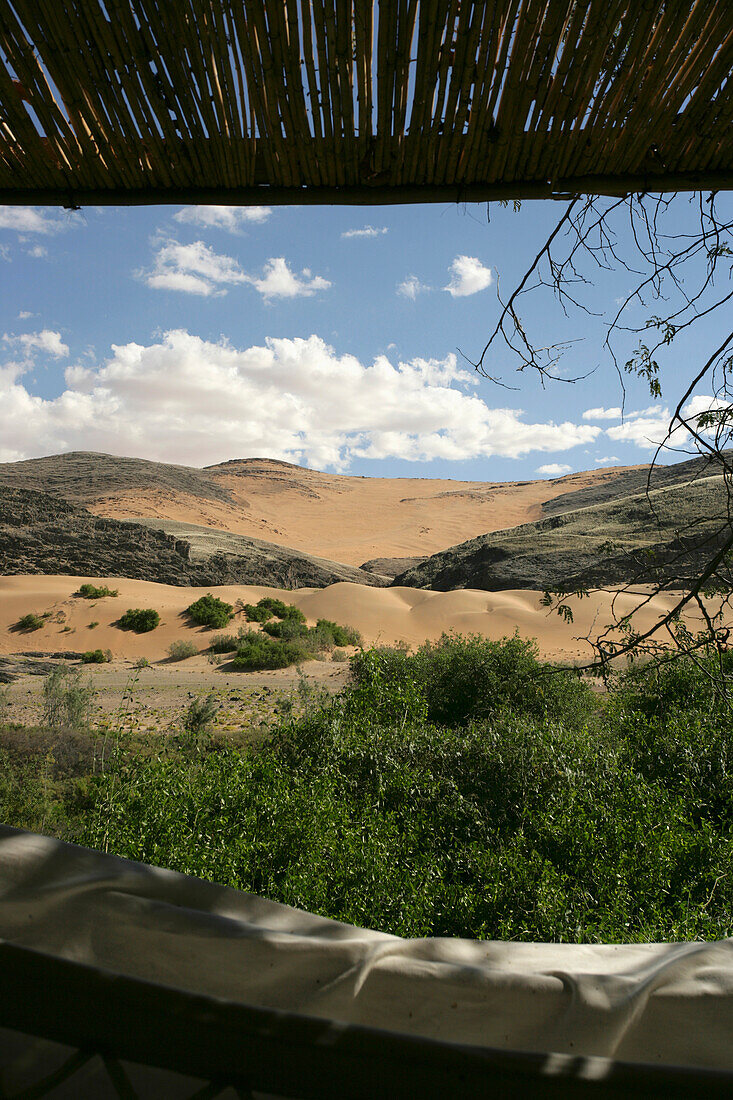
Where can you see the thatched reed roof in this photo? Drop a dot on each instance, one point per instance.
(357, 101)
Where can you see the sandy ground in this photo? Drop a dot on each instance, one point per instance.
(350, 519)
(155, 699)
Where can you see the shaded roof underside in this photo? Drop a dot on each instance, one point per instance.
(267, 101)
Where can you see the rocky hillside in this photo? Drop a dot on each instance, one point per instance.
(40, 533)
(327, 515)
(669, 534)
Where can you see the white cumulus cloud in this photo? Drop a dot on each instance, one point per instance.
(411, 287)
(607, 459)
(192, 268)
(185, 399)
(30, 219)
(197, 269)
(468, 276)
(602, 414)
(554, 469)
(278, 281)
(367, 231)
(47, 341)
(230, 218)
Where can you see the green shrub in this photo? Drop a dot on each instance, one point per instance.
(280, 609)
(256, 614)
(463, 679)
(339, 635)
(223, 643)
(91, 626)
(180, 650)
(30, 622)
(67, 699)
(96, 657)
(258, 651)
(201, 713)
(211, 611)
(140, 619)
(286, 629)
(91, 592)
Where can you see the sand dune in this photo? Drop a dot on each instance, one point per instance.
(384, 616)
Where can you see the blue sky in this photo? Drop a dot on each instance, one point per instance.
(329, 336)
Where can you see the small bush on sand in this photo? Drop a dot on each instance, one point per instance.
(30, 622)
(211, 611)
(201, 713)
(91, 592)
(67, 699)
(179, 651)
(96, 657)
(223, 643)
(140, 619)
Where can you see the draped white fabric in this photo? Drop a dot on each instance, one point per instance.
(655, 1003)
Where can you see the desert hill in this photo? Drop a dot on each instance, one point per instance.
(604, 544)
(335, 516)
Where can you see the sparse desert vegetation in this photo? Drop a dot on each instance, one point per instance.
(182, 649)
(30, 622)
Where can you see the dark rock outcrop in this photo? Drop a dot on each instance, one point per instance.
(40, 533)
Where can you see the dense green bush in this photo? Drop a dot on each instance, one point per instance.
(524, 815)
(336, 635)
(462, 679)
(523, 823)
(211, 611)
(91, 592)
(96, 657)
(140, 619)
(256, 614)
(181, 649)
(259, 651)
(287, 629)
(281, 610)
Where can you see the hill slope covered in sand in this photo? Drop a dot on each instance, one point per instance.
(340, 517)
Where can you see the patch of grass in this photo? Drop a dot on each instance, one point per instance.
(140, 619)
(210, 611)
(92, 592)
(180, 650)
